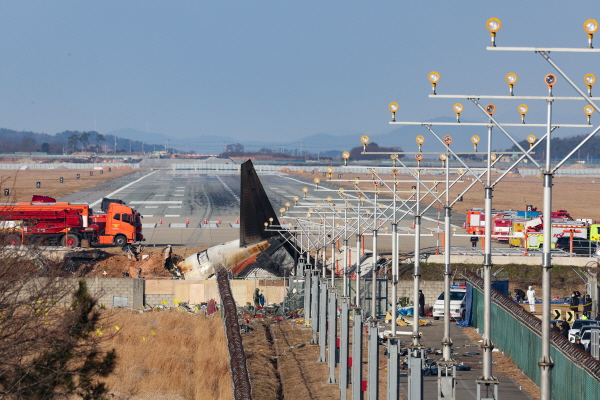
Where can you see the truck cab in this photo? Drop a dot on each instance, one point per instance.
(119, 225)
(458, 295)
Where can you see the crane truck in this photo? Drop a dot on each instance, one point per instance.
(48, 222)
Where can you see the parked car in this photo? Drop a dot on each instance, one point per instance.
(587, 337)
(580, 246)
(458, 294)
(577, 324)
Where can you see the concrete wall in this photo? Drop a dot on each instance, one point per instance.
(126, 289)
(199, 291)
(431, 290)
(499, 260)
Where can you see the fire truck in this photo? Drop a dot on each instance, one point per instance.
(46, 221)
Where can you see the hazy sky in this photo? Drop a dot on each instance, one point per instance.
(276, 70)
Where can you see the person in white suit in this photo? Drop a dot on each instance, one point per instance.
(531, 299)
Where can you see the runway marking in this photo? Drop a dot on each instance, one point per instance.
(171, 215)
(174, 207)
(151, 207)
(179, 195)
(180, 190)
(159, 195)
(147, 216)
(124, 187)
(156, 202)
(180, 187)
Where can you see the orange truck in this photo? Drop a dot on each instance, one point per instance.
(44, 220)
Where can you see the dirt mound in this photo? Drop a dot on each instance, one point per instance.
(116, 266)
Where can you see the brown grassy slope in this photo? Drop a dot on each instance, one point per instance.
(22, 183)
(185, 358)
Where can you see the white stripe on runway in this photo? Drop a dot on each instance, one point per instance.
(118, 190)
(150, 206)
(171, 215)
(156, 202)
(174, 207)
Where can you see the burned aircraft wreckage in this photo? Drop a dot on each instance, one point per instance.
(257, 251)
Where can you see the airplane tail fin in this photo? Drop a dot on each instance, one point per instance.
(255, 208)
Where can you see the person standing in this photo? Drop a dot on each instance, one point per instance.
(575, 303)
(531, 299)
(261, 299)
(256, 298)
(474, 240)
(587, 306)
(421, 304)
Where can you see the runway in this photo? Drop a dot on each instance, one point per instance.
(201, 208)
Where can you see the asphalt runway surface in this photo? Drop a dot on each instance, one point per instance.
(201, 208)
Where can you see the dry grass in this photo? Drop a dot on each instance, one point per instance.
(22, 183)
(185, 358)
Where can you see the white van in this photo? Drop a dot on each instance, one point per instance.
(458, 294)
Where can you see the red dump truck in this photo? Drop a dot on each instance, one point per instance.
(48, 222)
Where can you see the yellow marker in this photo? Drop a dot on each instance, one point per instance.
(143, 339)
(175, 301)
(164, 302)
(117, 328)
(153, 333)
(99, 332)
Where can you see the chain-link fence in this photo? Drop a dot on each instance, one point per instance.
(576, 375)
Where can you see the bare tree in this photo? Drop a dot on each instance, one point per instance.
(49, 339)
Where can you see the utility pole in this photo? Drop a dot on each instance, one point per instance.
(115, 144)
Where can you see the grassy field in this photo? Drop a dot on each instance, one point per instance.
(168, 355)
(22, 184)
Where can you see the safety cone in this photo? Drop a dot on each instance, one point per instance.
(160, 221)
(413, 225)
(187, 221)
(205, 221)
(219, 221)
(237, 220)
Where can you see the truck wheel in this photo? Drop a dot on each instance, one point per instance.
(69, 240)
(120, 241)
(13, 240)
(436, 318)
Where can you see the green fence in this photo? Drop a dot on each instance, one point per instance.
(576, 375)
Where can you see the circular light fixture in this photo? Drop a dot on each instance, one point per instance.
(420, 140)
(443, 157)
(511, 78)
(266, 224)
(282, 210)
(341, 190)
(287, 204)
(493, 25)
(433, 77)
(550, 80)
(296, 198)
(419, 157)
(365, 140)
(393, 107)
(308, 215)
(304, 190)
(447, 140)
(329, 170)
(589, 79)
(329, 198)
(458, 108)
(493, 157)
(531, 139)
(490, 109)
(316, 180)
(590, 26)
(475, 139)
(523, 109)
(394, 157)
(588, 110)
(356, 181)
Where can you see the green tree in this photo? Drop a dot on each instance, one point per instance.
(49, 351)
(85, 139)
